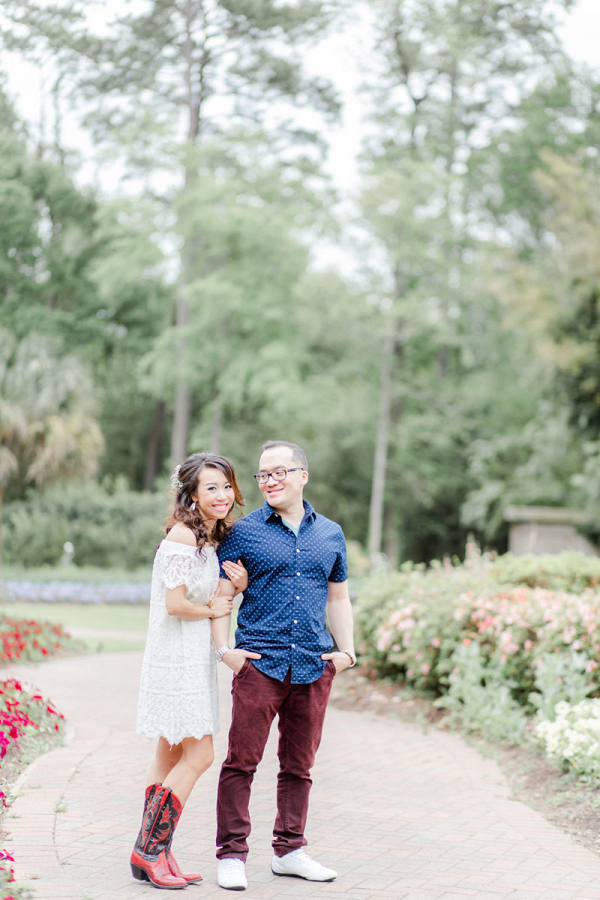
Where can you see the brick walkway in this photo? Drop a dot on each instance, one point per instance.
(398, 812)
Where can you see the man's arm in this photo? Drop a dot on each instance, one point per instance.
(220, 632)
(341, 623)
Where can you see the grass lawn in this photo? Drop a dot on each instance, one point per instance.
(80, 574)
(97, 616)
(107, 616)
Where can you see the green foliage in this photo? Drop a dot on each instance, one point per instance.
(411, 625)
(47, 428)
(567, 571)
(479, 201)
(47, 242)
(531, 466)
(560, 678)
(481, 696)
(120, 528)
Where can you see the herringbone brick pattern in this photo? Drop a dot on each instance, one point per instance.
(402, 814)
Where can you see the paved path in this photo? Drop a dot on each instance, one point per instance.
(398, 812)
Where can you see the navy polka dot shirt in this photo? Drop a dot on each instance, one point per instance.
(282, 615)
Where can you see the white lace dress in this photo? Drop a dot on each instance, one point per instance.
(178, 689)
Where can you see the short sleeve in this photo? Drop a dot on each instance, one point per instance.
(339, 571)
(230, 549)
(178, 568)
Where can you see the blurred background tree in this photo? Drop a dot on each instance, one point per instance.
(448, 368)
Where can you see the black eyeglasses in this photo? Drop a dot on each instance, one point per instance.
(277, 475)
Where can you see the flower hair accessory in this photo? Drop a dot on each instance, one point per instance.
(176, 484)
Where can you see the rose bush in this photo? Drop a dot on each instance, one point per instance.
(412, 623)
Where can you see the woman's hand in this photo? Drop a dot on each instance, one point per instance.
(221, 605)
(237, 574)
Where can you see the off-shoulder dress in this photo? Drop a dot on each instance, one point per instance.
(178, 690)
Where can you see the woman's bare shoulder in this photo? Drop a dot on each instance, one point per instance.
(181, 534)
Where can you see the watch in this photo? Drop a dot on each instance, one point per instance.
(222, 651)
(352, 656)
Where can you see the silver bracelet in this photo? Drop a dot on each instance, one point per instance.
(222, 651)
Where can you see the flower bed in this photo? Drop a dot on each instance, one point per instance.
(9, 887)
(73, 592)
(573, 738)
(412, 622)
(23, 717)
(22, 639)
(29, 725)
(533, 647)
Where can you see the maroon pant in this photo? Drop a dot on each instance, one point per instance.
(257, 699)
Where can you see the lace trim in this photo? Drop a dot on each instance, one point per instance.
(178, 569)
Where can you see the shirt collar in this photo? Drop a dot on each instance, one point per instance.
(270, 513)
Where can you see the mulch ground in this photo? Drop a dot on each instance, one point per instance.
(569, 804)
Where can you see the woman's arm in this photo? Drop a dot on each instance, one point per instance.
(178, 605)
(220, 632)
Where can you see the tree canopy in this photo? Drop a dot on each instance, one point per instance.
(452, 370)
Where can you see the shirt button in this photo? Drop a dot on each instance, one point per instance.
(297, 597)
(295, 621)
(297, 573)
(293, 645)
(297, 551)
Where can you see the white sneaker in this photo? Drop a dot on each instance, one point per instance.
(299, 864)
(231, 874)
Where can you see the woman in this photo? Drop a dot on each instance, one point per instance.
(178, 702)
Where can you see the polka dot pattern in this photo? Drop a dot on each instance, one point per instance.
(282, 615)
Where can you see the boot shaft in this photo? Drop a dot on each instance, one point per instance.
(161, 815)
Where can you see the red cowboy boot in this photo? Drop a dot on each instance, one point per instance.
(150, 856)
(191, 877)
(173, 866)
(175, 870)
(147, 797)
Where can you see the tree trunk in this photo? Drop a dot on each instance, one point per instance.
(1, 500)
(391, 541)
(215, 433)
(183, 399)
(181, 418)
(153, 452)
(381, 448)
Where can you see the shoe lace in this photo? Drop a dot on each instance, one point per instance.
(235, 865)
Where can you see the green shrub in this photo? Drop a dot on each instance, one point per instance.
(482, 696)
(568, 571)
(561, 678)
(411, 624)
(118, 529)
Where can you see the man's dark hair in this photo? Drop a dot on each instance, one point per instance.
(298, 455)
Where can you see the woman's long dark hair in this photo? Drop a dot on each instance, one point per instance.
(186, 482)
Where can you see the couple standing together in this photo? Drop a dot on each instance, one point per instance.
(290, 563)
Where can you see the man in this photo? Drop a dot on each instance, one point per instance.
(282, 661)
